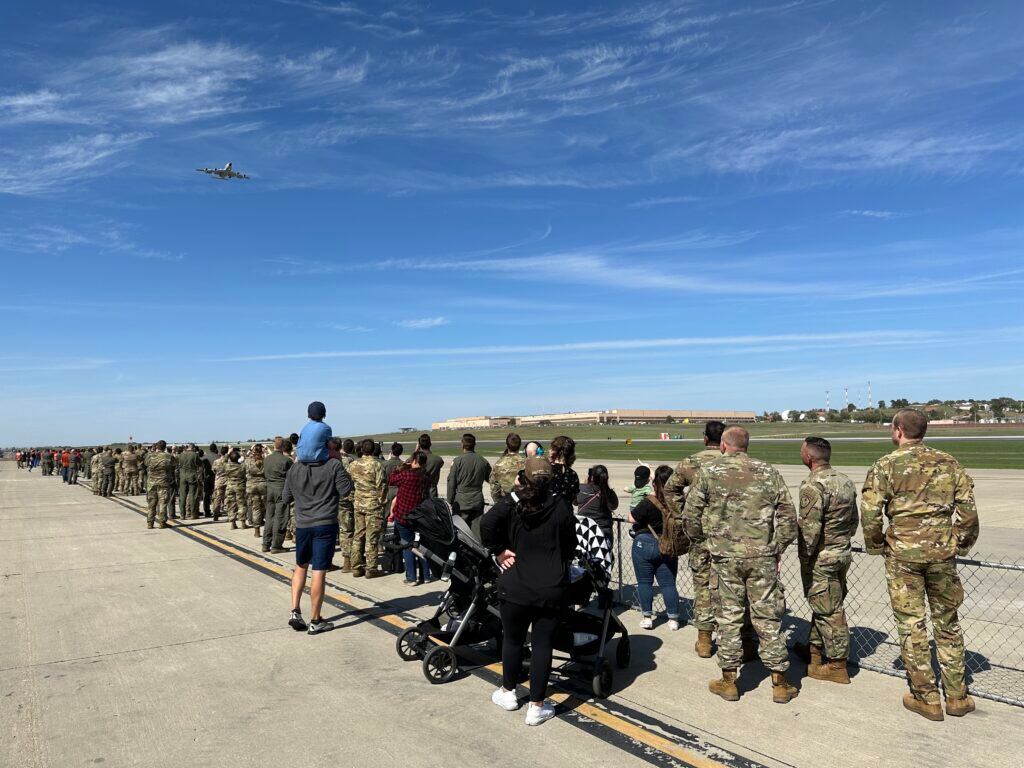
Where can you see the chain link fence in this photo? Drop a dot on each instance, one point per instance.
(992, 615)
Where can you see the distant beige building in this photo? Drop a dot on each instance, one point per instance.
(615, 416)
(475, 422)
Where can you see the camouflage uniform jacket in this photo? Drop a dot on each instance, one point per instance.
(929, 501)
(346, 503)
(254, 473)
(218, 466)
(234, 474)
(828, 516)
(94, 463)
(371, 487)
(682, 478)
(742, 507)
(159, 468)
(503, 474)
(130, 461)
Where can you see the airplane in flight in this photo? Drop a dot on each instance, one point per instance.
(223, 173)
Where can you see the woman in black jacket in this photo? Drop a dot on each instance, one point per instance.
(532, 533)
(597, 500)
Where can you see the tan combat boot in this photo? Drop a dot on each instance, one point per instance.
(923, 708)
(832, 671)
(346, 565)
(245, 525)
(149, 525)
(373, 573)
(358, 572)
(726, 687)
(959, 707)
(234, 525)
(782, 691)
(703, 645)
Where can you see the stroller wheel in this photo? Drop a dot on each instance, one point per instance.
(410, 644)
(623, 653)
(440, 665)
(602, 682)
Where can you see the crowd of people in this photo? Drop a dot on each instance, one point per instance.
(730, 514)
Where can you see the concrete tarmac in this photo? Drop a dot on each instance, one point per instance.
(133, 647)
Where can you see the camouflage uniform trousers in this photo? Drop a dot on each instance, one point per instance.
(740, 583)
(346, 525)
(291, 521)
(118, 479)
(909, 583)
(369, 522)
(191, 493)
(234, 501)
(825, 590)
(700, 568)
(219, 492)
(157, 497)
(256, 494)
(131, 483)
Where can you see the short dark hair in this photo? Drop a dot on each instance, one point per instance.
(223, 450)
(161, 444)
(513, 443)
(819, 448)
(912, 421)
(419, 457)
(424, 441)
(294, 438)
(713, 432)
(468, 442)
(349, 445)
(396, 449)
(286, 445)
(366, 447)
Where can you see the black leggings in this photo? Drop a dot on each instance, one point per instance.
(515, 621)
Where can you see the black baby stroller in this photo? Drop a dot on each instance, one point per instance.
(468, 612)
(471, 601)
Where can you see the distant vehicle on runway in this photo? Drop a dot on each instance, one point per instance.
(227, 172)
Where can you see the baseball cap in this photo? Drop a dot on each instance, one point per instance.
(538, 469)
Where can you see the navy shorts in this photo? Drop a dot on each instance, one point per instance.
(315, 546)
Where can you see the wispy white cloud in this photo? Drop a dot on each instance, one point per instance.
(861, 338)
(874, 214)
(422, 323)
(99, 238)
(62, 163)
(650, 202)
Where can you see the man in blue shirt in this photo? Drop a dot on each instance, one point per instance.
(313, 439)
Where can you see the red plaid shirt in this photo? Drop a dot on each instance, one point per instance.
(410, 483)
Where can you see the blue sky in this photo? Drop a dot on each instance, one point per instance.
(479, 208)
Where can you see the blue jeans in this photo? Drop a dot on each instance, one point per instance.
(649, 564)
(412, 562)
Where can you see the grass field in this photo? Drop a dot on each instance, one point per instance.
(609, 443)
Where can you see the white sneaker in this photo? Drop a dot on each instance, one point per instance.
(646, 623)
(673, 625)
(507, 700)
(536, 715)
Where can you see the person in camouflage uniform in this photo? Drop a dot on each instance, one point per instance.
(190, 488)
(108, 461)
(160, 471)
(118, 470)
(507, 468)
(234, 489)
(371, 488)
(130, 465)
(219, 480)
(256, 487)
(742, 508)
(95, 472)
(346, 504)
(699, 557)
(288, 449)
(928, 499)
(142, 469)
(827, 521)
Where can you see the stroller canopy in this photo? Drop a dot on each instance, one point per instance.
(432, 519)
(593, 550)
